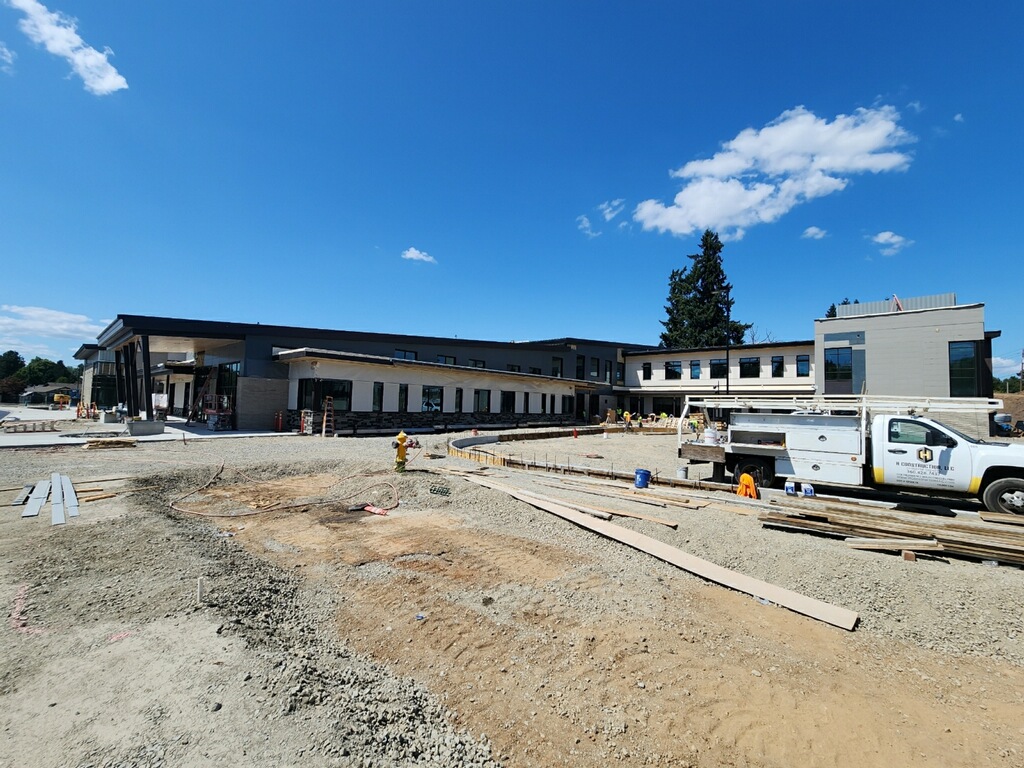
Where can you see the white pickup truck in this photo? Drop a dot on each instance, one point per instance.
(861, 442)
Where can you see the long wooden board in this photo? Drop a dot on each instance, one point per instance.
(70, 497)
(915, 545)
(808, 606)
(37, 499)
(23, 495)
(56, 500)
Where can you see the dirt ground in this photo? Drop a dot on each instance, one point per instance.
(530, 639)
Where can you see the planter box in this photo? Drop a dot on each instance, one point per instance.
(140, 428)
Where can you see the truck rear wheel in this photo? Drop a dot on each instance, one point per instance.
(759, 469)
(1005, 496)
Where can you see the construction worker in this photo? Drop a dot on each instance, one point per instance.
(627, 417)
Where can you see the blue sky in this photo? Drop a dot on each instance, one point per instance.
(502, 170)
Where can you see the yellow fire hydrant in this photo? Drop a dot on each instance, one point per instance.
(399, 446)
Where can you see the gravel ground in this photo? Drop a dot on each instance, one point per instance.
(293, 666)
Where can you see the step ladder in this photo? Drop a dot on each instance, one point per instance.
(194, 410)
(328, 425)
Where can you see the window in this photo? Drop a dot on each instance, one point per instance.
(535, 371)
(607, 371)
(477, 363)
(647, 372)
(750, 367)
(719, 368)
(513, 368)
(595, 367)
(778, 367)
(481, 401)
(839, 371)
(581, 366)
(912, 432)
(695, 369)
(543, 402)
(458, 399)
(803, 365)
(673, 369)
(403, 398)
(404, 354)
(667, 405)
(508, 402)
(313, 391)
(446, 359)
(556, 367)
(566, 403)
(433, 399)
(526, 402)
(620, 373)
(963, 369)
(378, 396)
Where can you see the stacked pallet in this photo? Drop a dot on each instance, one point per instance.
(956, 535)
(30, 426)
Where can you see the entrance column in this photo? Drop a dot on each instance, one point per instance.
(119, 374)
(147, 380)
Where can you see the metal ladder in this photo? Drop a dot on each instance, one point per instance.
(328, 425)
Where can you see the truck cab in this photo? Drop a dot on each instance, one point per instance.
(914, 452)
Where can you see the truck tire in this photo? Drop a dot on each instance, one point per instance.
(759, 469)
(1005, 496)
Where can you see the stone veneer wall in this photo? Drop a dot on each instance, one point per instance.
(354, 422)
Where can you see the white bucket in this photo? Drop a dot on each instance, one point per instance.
(682, 473)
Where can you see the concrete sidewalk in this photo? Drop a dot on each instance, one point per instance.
(74, 432)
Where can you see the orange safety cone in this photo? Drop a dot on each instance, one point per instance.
(575, 434)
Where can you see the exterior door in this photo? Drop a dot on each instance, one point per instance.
(919, 455)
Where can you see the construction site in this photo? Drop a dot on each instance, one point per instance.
(530, 597)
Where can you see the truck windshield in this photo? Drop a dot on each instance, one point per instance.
(961, 435)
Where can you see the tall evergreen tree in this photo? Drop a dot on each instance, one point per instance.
(700, 302)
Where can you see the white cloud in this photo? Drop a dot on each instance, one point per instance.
(583, 225)
(761, 175)
(958, 117)
(58, 34)
(891, 243)
(916, 106)
(611, 208)
(813, 233)
(414, 254)
(1005, 366)
(7, 57)
(47, 323)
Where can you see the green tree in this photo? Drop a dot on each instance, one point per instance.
(12, 386)
(10, 363)
(831, 311)
(40, 371)
(700, 302)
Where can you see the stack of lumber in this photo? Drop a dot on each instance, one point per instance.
(30, 426)
(110, 442)
(955, 535)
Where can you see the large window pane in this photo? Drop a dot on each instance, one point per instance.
(433, 399)
(963, 369)
(673, 369)
(719, 368)
(750, 367)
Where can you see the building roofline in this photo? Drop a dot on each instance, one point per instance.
(302, 353)
(124, 327)
(722, 348)
(975, 305)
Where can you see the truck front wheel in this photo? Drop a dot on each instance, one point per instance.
(1005, 496)
(759, 469)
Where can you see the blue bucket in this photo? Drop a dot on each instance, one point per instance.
(642, 478)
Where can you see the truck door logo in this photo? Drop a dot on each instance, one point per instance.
(925, 455)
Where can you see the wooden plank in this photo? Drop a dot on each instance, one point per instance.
(56, 500)
(917, 545)
(619, 513)
(37, 499)
(22, 497)
(809, 606)
(996, 517)
(70, 497)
